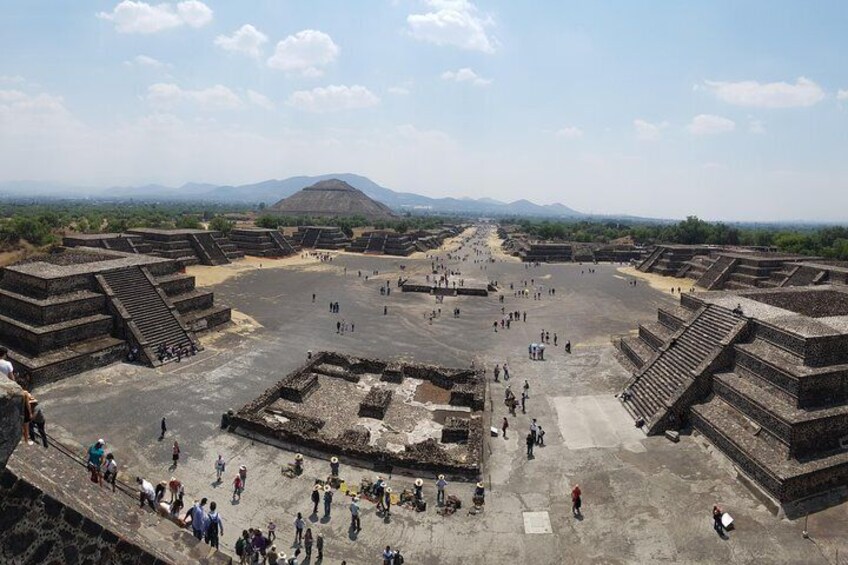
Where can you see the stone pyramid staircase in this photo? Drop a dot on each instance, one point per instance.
(148, 318)
(376, 244)
(208, 250)
(283, 243)
(717, 273)
(310, 238)
(663, 390)
(645, 265)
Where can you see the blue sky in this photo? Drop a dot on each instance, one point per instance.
(727, 110)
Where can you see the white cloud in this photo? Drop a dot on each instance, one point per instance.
(433, 138)
(246, 39)
(842, 95)
(570, 132)
(453, 22)
(648, 131)
(768, 95)
(218, 97)
(259, 99)
(12, 79)
(708, 124)
(756, 126)
(333, 98)
(304, 52)
(140, 17)
(145, 61)
(466, 75)
(398, 90)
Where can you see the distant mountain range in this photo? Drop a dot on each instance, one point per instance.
(271, 191)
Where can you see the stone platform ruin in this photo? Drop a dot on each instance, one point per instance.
(185, 246)
(403, 416)
(263, 242)
(74, 310)
(763, 374)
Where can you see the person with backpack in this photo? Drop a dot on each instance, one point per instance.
(215, 526)
(241, 546)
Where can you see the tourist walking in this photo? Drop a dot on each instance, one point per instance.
(95, 460)
(316, 499)
(328, 499)
(717, 525)
(319, 546)
(354, 515)
(37, 422)
(506, 372)
(534, 429)
(199, 518)
(523, 402)
(238, 487)
(505, 426)
(215, 527)
(576, 500)
(111, 470)
(298, 528)
(176, 454)
(440, 490)
(220, 467)
(540, 436)
(531, 441)
(243, 475)
(164, 428)
(497, 371)
(388, 556)
(308, 540)
(272, 531)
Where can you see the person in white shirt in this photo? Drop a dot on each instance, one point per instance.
(6, 367)
(146, 492)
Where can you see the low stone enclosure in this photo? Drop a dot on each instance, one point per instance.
(186, 246)
(70, 311)
(768, 386)
(403, 416)
(454, 288)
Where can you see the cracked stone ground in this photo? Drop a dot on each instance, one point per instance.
(646, 500)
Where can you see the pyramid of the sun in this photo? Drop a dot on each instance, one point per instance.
(332, 198)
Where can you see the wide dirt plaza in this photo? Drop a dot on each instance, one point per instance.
(645, 499)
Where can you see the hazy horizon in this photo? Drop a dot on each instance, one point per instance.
(721, 110)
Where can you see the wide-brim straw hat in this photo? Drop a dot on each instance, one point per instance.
(327, 488)
(480, 485)
(334, 459)
(298, 457)
(441, 477)
(388, 490)
(316, 487)
(419, 482)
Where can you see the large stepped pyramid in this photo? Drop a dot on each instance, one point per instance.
(769, 386)
(58, 319)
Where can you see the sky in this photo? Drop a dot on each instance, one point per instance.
(723, 109)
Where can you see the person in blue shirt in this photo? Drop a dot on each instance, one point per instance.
(95, 461)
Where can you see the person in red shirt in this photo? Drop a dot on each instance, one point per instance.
(576, 501)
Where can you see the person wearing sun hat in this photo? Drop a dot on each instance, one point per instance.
(419, 487)
(440, 490)
(387, 501)
(316, 498)
(328, 499)
(334, 466)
